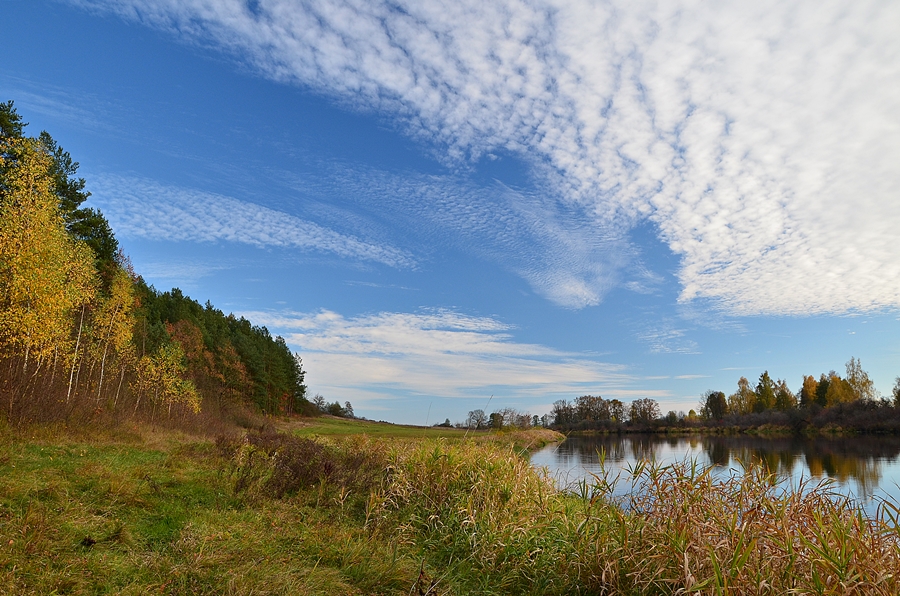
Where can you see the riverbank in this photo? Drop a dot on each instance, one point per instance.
(862, 417)
(138, 510)
(764, 430)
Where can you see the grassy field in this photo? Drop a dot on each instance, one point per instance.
(145, 511)
(137, 511)
(329, 426)
(334, 507)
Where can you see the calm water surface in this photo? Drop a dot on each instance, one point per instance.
(865, 468)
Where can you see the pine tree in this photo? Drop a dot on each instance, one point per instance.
(765, 393)
(784, 399)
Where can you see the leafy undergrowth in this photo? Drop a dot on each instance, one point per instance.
(270, 513)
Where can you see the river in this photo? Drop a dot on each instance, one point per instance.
(866, 468)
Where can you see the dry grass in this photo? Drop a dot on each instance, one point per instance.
(685, 532)
(498, 526)
(273, 514)
(114, 517)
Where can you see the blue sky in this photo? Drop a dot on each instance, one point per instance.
(439, 202)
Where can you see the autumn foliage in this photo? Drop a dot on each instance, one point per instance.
(81, 334)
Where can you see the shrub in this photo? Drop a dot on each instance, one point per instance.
(277, 465)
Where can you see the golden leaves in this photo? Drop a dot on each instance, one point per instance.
(163, 372)
(44, 272)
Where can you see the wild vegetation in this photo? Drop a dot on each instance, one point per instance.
(134, 510)
(101, 493)
(82, 335)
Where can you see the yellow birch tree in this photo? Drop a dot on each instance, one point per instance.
(44, 273)
(113, 324)
(743, 400)
(162, 375)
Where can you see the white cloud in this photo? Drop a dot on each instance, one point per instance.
(548, 243)
(176, 272)
(436, 353)
(761, 138)
(142, 208)
(59, 104)
(666, 339)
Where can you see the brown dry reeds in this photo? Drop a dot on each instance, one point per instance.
(683, 531)
(498, 526)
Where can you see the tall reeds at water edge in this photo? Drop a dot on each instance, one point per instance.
(493, 524)
(270, 513)
(686, 531)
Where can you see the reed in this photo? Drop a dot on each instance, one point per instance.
(685, 532)
(269, 513)
(498, 526)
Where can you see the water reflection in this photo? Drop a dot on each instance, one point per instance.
(862, 467)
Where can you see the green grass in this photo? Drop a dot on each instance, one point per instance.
(111, 518)
(328, 426)
(136, 511)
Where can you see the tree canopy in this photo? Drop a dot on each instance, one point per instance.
(79, 327)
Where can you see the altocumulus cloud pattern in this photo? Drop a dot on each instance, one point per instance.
(762, 139)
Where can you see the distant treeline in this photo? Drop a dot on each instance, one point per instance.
(587, 412)
(848, 403)
(503, 418)
(590, 412)
(82, 334)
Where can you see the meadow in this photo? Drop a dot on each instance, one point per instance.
(325, 506)
(101, 494)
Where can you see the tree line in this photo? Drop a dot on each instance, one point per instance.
(590, 412)
(850, 402)
(585, 412)
(502, 418)
(81, 333)
(334, 408)
(828, 391)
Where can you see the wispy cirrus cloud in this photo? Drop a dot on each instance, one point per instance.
(438, 354)
(145, 209)
(667, 339)
(545, 242)
(548, 243)
(178, 272)
(761, 139)
(57, 103)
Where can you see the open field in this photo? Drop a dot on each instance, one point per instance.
(326, 426)
(139, 510)
(136, 511)
(150, 512)
(330, 426)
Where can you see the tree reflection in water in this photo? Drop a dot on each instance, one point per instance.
(859, 459)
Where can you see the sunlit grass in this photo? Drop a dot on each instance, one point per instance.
(357, 513)
(107, 517)
(498, 526)
(332, 426)
(329, 426)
